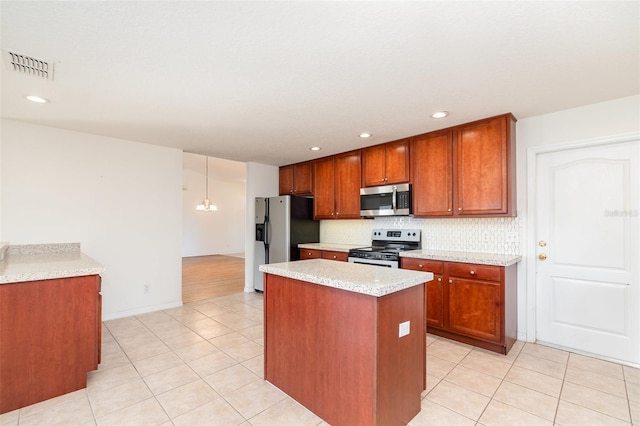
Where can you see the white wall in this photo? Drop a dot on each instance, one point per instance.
(262, 181)
(121, 200)
(218, 232)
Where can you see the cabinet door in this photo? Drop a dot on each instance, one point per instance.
(373, 166)
(286, 180)
(397, 162)
(432, 174)
(475, 308)
(347, 185)
(483, 155)
(434, 296)
(323, 189)
(302, 179)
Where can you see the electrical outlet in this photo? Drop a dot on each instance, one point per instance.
(485, 236)
(512, 237)
(147, 288)
(404, 328)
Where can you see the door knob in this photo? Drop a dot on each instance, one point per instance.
(542, 256)
(542, 243)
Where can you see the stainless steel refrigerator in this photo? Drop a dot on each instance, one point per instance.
(281, 224)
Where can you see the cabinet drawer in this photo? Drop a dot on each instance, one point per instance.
(310, 254)
(335, 255)
(422, 265)
(469, 270)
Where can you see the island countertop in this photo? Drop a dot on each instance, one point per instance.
(34, 262)
(357, 278)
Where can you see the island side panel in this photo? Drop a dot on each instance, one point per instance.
(401, 360)
(48, 338)
(320, 348)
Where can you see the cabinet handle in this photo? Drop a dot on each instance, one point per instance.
(382, 180)
(459, 209)
(472, 272)
(448, 210)
(450, 281)
(420, 266)
(439, 279)
(335, 257)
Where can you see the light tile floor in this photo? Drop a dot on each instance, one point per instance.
(202, 364)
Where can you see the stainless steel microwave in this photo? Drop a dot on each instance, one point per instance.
(387, 200)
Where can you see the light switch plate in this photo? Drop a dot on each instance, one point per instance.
(404, 328)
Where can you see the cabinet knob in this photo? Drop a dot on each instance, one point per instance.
(450, 281)
(382, 180)
(459, 209)
(472, 272)
(420, 266)
(439, 279)
(448, 210)
(335, 257)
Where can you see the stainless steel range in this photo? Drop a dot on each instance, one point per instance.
(386, 246)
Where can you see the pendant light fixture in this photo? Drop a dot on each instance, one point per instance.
(207, 205)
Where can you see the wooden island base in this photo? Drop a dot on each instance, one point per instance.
(339, 353)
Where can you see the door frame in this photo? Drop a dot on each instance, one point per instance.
(530, 245)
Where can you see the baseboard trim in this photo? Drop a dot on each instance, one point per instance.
(139, 311)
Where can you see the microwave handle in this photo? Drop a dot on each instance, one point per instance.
(393, 198)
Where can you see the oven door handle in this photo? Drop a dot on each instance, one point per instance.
(393, 198)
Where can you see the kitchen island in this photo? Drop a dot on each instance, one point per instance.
(345, 340)
(50, 321)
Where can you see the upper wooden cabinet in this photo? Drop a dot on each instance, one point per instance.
(336, 186)
(296, 179)
(432, 174)
(484, 155)
(386, 163)
(468, 170)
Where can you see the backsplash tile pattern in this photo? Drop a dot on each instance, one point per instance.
(477, 235)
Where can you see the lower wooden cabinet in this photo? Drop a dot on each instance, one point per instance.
(471, 303)
(341, 256)
(49, 338)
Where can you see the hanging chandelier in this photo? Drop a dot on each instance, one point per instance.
(207, 205)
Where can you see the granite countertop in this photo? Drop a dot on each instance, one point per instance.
(34, 262)
(353, 277)
(330, 246)
(464, 257)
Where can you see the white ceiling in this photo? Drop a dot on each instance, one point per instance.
(264, 81)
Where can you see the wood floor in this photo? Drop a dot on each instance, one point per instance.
(204, 277)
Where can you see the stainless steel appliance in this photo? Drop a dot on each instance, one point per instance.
(386, 200)
(386, 246)
(281, 223)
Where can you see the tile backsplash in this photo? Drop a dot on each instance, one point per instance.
(478, 235)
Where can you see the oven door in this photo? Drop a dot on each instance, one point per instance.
(374, 262)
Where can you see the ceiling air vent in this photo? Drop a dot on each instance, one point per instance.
(27, 65)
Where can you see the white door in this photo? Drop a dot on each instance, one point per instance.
(587, 226)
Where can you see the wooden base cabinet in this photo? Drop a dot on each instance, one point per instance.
(49, 338)
(339, 353)
(474, 304)
(341, 256)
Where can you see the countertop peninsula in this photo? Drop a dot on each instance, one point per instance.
(35, 262)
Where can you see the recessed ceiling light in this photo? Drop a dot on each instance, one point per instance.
(439, 114)
(365, 135)
(38, 99)
(315, 148)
